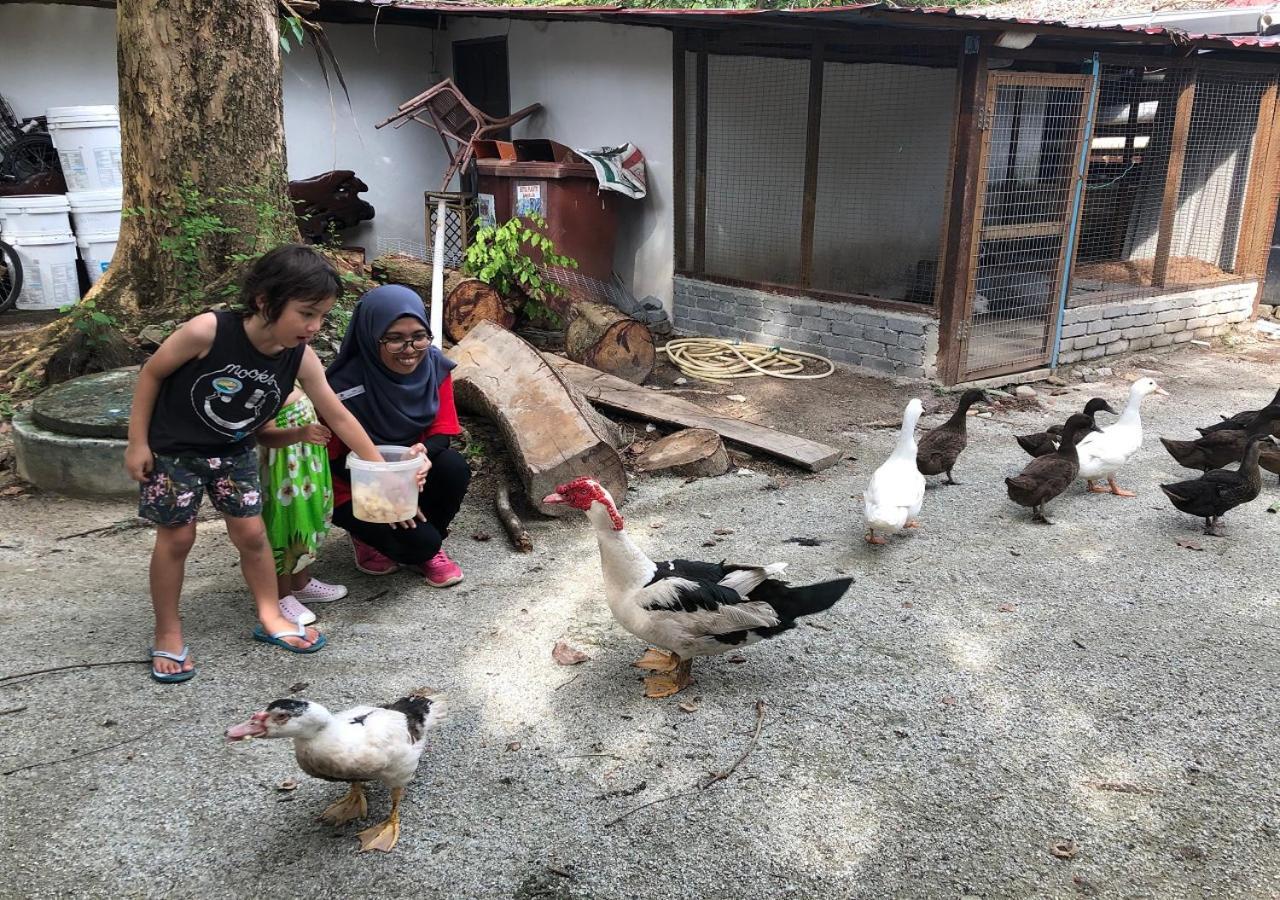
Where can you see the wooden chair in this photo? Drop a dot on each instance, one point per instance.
(456, 120)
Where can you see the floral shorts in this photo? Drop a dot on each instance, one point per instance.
(172, 493)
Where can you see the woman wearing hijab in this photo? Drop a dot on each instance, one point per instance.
(398, 387)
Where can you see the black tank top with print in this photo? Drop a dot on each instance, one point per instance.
(212, 406)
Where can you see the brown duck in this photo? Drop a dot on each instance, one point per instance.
(1042, 443)
(938, 450)
(1219, 448)
(1045, 477)
(1220, 490)
(1242, 420)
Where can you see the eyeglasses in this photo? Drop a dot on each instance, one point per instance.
(396, 344)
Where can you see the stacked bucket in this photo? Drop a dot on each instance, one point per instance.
(40, 226)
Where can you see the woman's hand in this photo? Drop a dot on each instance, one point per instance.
(138, 461)
(421, 450)
(317, 434)
(410, 523)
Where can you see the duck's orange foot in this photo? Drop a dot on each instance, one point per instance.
(667, 684)
(912, 523)
(1117, 490)
(1098, 489)
(655, 660)
(873, 538)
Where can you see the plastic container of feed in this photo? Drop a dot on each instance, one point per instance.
(385, 492)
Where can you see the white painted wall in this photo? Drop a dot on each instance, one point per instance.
(601, 85)
(65, 56)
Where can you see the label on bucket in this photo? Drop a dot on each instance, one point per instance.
(73, 169)
(108, 160)
(32, 295)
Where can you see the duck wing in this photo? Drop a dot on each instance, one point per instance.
(938, 450)
(1043, 479)
(1041, 443)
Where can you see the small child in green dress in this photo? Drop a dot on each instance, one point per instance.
(297, 504)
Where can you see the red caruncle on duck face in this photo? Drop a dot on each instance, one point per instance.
(581, 493)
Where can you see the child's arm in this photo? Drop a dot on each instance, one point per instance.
(190, 341)
(269, 435)
(330, 408)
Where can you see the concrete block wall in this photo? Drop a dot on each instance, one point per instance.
(1091, 332)
(890, 343)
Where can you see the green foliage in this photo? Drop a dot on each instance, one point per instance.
(196, 221)
(291, 33)
(496, 256)
(7, 407)
(90, 321)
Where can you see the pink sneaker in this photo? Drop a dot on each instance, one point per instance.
(370, 561)
(316, 591)
(441, 571)
(295, 612)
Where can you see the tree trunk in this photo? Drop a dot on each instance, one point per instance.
(200, 111)
(605, 338)
(694, 451)
(202, 143)
(468, 302)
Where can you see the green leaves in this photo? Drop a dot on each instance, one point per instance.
(291, 33)
(90, 321)
(497, 257)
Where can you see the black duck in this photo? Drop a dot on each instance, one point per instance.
(939, 449)
(1242, 420)
(1220, 490)
(1045, 477)
(1215, 449)
(1042, 443)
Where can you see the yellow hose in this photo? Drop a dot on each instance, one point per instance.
(719, 360)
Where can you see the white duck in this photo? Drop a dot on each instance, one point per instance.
(688, 608)
(895, 493)
(364, 743)
(1104, 452)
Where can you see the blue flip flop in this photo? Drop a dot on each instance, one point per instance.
(172, 677)
(260, 634)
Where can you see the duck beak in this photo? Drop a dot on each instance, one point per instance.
(1162, 392)
(554, 497)
(253, 727)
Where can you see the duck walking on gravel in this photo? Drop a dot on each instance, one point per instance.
(1220, 490)
(895, 493)
(1045, 477)
(1042, 443)
(939, 449)
(1104, 452)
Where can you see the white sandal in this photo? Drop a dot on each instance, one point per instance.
(317, 591)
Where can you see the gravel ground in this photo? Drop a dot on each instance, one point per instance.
(988, 689)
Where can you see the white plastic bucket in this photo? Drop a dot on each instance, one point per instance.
(385, 492)
(95, 212)
(34, 214)
(88, 142)
(96, 250)
(49, 279)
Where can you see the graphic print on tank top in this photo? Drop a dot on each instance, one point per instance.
(235, 400)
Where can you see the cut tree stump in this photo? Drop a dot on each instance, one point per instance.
(469, 302)
(605, 338)
(693, 452)
(396, 268)
(550, 429)
(655, 406)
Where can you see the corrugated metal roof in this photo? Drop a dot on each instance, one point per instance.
(936, 17)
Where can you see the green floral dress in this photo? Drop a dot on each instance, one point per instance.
(297, 493)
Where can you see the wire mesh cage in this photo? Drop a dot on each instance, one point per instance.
(1035, 127)
(459, 225)
(823, 174)
(1165, 193)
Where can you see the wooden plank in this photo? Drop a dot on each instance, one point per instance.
(700, 167)
(1252, 233)
(680, 149)
(1269, 205)
(813, 138)
(1173, 176)
(955, 272)
(614, 393)
(1025, 230)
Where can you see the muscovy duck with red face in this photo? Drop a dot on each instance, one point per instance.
(688, 608)
(364, 743)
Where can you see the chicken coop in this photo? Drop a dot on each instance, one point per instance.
(965, 200)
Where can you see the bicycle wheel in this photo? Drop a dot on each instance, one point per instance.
(10, 276)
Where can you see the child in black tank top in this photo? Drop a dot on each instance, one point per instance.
(198, 401)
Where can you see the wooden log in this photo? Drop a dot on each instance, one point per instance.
(396, 268)
(549, 428)
(614, 393)
(511, 523)
(605, 338)
(468, 302)
(693, 451)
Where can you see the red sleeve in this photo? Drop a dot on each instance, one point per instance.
(447, 415)
(337, 467)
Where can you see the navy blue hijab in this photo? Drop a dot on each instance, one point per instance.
(393, 408)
